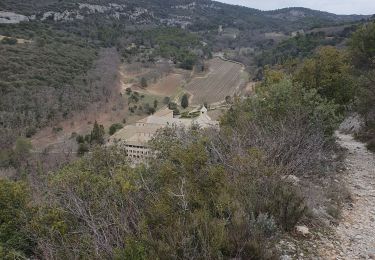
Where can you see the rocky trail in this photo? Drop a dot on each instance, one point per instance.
(356, 232)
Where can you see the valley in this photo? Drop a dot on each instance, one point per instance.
(224, 78)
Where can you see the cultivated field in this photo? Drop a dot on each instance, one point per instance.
(162, 81)
(224, 78)
(166, 86)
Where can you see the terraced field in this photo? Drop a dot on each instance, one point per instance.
(224, 78)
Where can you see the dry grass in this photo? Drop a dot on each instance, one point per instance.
(166, 86)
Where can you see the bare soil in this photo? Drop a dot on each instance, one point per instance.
(166, 86)
(223, 79)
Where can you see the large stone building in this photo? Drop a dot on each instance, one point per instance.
(134, 138)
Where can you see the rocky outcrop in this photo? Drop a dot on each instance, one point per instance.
(352, 124)
(10, 17)
(64, 16)
(112, 10)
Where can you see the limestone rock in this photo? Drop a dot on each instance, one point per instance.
(302, 230)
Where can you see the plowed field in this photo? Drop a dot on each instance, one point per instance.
(223, 79)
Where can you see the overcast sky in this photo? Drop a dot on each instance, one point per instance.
(333, 6)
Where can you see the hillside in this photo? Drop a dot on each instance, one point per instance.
(196, 15)
(51, 76)
(300, 13)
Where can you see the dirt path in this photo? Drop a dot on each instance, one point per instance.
(356, 232)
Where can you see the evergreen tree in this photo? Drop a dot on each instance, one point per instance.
(185, 101)
(143, 82)
(97, 133)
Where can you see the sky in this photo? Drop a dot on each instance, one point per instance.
(333, 6)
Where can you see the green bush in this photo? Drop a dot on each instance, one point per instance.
(172, 105)
(15, 215)
(80, 139)
(166, 100)
(286, 206)
(329, 73)
(82, 149)
(144, 82)
(114, 128)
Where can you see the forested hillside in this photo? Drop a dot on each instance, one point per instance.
(55, 71)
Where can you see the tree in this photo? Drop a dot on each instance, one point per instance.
(97, 134)
(188, 62)
(15, 213)
(82, 149)
(149, 110)
(80, 139)
(156, 103)
(362, 46)
(144, 82)
(21, 152)
(114, 128)
(362, 52)
(166, 100)
(329, 72)
(185, 101)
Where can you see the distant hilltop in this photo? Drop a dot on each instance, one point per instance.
(196, 15)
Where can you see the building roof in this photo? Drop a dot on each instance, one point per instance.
(144, 130)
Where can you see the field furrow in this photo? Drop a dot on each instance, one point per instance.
(223, 79)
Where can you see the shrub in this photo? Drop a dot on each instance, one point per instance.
(114, 128)
(166, 100)
(30, 131)
(15, 214)
(57, 129)
(176, 112)
(80, 139)
(287, 206)
(82, 149)
(143, 82)
(97, 134)
(172, 106)
(329, 73)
